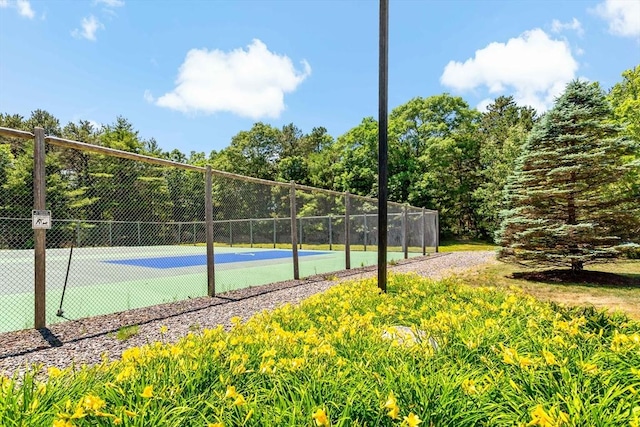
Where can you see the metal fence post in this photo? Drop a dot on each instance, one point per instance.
(194, 233)
(208, 213)
(330, 235)
(366, 231)
(405, 232)
(250, 233)
(294, 234)
(230, 235)
(437, 231)
(347, 237)
(139, 240)
(300, 232)
(274, 233)
(424, 231)
(40, 235)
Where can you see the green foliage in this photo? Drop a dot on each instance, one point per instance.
(126, 332)
(503, 130)
(442, 352)
(561, 211)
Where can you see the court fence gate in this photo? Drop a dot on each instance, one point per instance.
(145, 230)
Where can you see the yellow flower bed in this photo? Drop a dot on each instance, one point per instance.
(426, 353)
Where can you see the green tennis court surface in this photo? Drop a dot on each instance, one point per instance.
(108, 280)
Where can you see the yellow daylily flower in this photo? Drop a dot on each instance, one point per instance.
(394, 413)
(412, 420)
(231, 392)
(147, 392)
(93, 403)
(54, 372)
(239, 400)
(391, 401)
(62, 423)
(540, 418)
(320, 417)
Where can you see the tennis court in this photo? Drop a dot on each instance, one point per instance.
(104, 280)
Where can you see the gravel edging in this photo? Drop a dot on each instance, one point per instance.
(85, 341)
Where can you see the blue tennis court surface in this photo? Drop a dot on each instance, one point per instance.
(226, 258)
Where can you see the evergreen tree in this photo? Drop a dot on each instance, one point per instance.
(560, 210)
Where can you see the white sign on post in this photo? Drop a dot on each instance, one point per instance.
(40, 220)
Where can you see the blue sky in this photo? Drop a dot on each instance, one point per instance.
(194, 73)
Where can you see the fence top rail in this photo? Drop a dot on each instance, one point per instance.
(14, 133)
(67, 143)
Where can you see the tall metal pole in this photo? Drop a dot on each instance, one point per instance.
(383, 89)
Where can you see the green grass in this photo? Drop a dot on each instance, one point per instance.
(126, 332)
(466, 245)
(612, 298)
(482, 356)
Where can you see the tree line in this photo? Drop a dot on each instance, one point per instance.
(443, 155)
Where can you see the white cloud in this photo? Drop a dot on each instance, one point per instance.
(148, 96)
(110, 3)
(22, 6)
(623, 16)
(24, 9)
(249, 83)
(575, 25)
(90, 26)
(533, 66)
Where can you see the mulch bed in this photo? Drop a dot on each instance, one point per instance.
(579, 277)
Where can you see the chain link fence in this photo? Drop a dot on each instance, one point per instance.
(131, 231)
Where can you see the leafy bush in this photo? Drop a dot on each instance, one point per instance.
(439, 353)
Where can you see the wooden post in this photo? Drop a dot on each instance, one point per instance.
(405, 232)
(424, 232)
(347, 237)
(294, 231)
(40, 235)
(208, 215)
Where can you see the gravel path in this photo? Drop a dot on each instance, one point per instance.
(84, 341)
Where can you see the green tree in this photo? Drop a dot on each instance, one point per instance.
(356, 161)
(434, 152)
(560, 211)
(625, 98)
(503, 130)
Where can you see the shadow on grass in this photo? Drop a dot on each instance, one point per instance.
(586, 278)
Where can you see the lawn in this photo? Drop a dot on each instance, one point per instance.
(612, 298)
(426, 353)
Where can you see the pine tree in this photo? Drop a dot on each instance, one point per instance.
(563, 208)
